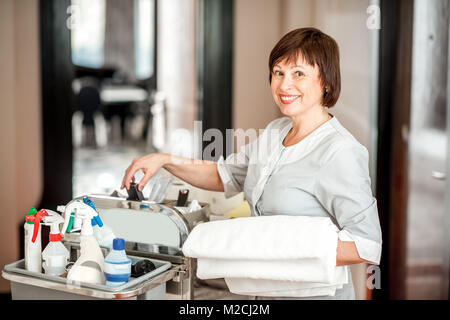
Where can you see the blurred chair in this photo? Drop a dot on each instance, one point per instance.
(88, 108)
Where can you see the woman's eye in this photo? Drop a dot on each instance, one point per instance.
(278, 73)
(299, 74)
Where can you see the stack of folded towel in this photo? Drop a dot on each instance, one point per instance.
(289, 256)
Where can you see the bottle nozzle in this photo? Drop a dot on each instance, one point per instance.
(82, 211)
(96, 219)
(36, 218)
(53, 219)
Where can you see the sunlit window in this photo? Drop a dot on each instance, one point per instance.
(87, 24)
(144, 39)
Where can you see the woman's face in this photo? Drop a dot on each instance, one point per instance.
(296, 87)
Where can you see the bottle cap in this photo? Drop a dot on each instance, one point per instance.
(31, 212)
(118, 244)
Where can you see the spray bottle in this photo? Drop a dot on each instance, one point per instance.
(102, 232)
(33, 249)
(89, 266)
(71, 223)
(55, 254)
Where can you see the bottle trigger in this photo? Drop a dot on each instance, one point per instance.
(37, 219)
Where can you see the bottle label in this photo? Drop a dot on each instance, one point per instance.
(117, 277)
(113, 268)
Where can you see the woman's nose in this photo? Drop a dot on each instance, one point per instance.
(286, 82)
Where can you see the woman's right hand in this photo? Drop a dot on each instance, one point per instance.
(149, 164)
(198, 173)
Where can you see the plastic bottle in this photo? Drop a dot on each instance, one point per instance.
(33, 250)
(89, 266)
(117, 265)
(55, 254)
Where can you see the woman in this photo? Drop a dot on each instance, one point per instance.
(311, 165)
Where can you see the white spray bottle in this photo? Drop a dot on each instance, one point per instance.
(55, 254)
(33, 249)
(89, 266)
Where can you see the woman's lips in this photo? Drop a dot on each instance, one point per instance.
(288, 99)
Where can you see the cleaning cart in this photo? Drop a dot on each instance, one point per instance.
(154, 232)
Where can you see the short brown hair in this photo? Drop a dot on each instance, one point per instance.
(316, 48)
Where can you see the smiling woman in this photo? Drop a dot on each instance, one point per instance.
(304, 76)
(310, 49)
(314, 167)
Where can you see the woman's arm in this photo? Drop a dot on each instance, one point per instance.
(199, 173)
(347, 254)
(343, 187)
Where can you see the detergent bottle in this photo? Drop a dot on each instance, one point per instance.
(102, 233)
(89, 266)
(117, 265)
(33, 249)
(55, 254)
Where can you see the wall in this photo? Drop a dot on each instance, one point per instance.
(345, 21)
(256, 30)
(20, 124)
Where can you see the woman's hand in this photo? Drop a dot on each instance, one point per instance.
(347, 254)
(199, 173)
(149, 164)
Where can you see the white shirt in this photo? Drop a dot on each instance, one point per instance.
(325, 174)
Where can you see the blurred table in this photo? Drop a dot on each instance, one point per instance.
(122, 101)
(111, 94)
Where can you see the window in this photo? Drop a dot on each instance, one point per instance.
(88, 32)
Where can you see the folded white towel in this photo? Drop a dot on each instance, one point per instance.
(276, 288)
(280, 288)
(303, 270)
(263, 238)
(269, 255)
